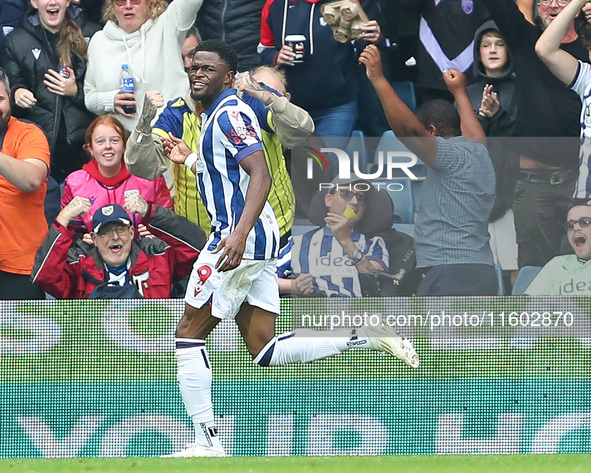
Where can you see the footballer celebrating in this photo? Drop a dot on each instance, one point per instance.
(234, 276)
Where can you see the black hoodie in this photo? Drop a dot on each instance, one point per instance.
(446, 30)
(505, 161)
(503, 123)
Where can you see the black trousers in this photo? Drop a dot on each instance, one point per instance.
(540, 211)
(459, 280)
(18, 287)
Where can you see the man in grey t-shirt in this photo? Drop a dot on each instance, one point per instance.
(451, 234)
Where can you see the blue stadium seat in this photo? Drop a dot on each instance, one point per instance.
(357, 143)
(500, 280)
(525, 276)
(400, 191)
(301, 226)
(389, 142)
(416, 192)
(405, 89)
(408, 228)
(301, 229)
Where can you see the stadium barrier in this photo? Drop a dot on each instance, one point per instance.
(498, 375)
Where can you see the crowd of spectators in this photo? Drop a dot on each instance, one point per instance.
(496, 128)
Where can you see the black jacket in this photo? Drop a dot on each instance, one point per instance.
(237, 22)
(327, 76)
(445, 38)
(498, 128)
(10, 15)
(503, 123)
(28, 54)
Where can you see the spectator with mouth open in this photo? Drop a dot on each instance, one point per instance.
(569, 274)
(105, 179)
(116, 265)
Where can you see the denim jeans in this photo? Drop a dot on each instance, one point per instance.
(335, 124)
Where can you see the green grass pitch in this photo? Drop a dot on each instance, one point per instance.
(562, 463)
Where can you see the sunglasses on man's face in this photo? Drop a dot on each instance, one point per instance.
(348, 196)
(583, 222)
(120, 3)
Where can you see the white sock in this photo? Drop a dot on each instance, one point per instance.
(194, 377)
(304, 346)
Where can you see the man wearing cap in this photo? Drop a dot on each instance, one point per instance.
(327, 261)
(117, 265)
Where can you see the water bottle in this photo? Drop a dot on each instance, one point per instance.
(128, 86)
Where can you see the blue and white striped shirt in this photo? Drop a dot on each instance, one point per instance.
(320, 254)
(582, 85)
(230, 132)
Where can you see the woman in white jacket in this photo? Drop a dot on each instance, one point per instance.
(147, 36)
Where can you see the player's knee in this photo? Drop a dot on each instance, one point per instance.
(263, 357)
(196, 323)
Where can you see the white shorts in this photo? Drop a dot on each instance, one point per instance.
(254, 282)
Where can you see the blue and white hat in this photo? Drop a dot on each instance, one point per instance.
(109, 213)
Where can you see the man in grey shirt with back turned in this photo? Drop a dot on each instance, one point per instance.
(457, 197)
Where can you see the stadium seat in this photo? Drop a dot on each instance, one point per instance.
(416, 192)
(405, 89)
(301, 229)
(500, 280)
(389, 142)
(301, 226)
(408, 228)
(357, 143)
(402, 197)
(524, 278)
